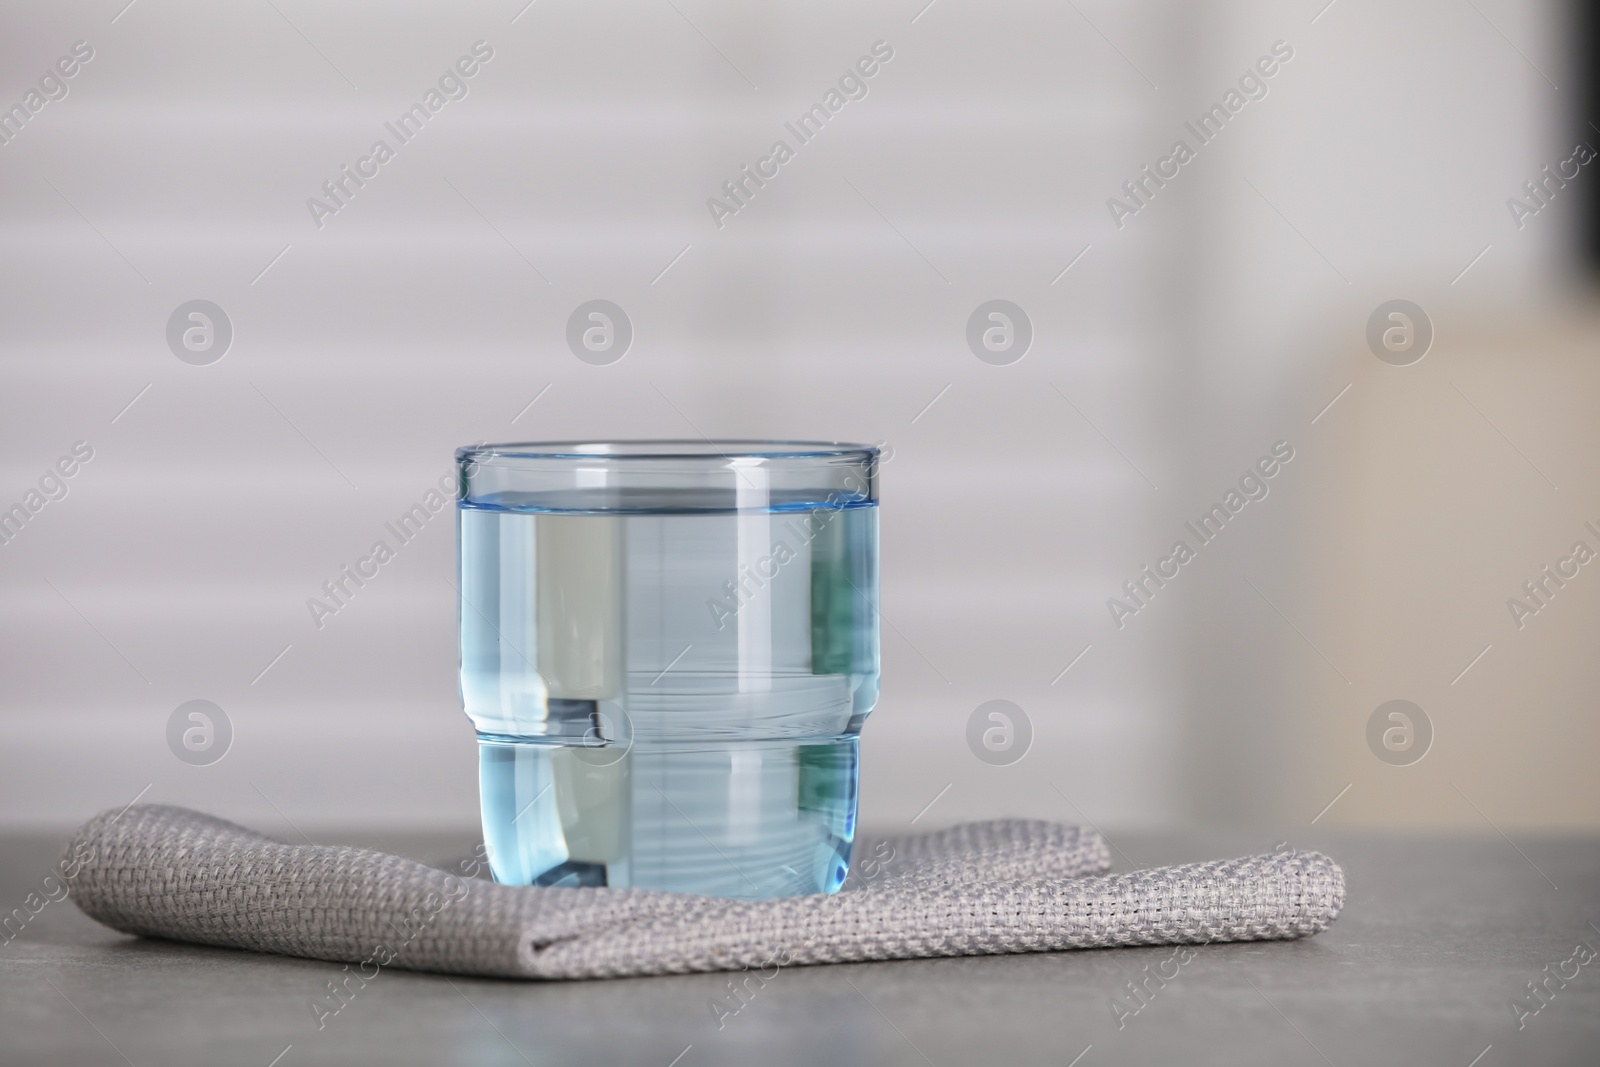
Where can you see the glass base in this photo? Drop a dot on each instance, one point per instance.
(746, 819)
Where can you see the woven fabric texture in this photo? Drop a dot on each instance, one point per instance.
(990, 887)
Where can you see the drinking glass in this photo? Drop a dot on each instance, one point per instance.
(668, 649)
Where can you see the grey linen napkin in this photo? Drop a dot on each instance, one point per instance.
(991, 887)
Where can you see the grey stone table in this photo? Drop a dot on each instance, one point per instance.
(1438, 942)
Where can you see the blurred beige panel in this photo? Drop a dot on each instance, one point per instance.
(1446, 486)
(581, 610)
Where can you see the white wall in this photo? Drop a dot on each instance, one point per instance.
(430, 311)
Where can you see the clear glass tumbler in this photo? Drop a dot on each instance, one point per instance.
(668, 649)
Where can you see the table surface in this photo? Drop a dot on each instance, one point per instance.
(1439, 937)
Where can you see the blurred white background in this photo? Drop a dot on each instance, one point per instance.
(1176, 350)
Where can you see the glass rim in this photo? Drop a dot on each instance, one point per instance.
(647, 449)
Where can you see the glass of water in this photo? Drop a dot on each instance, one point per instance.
(668, 649)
